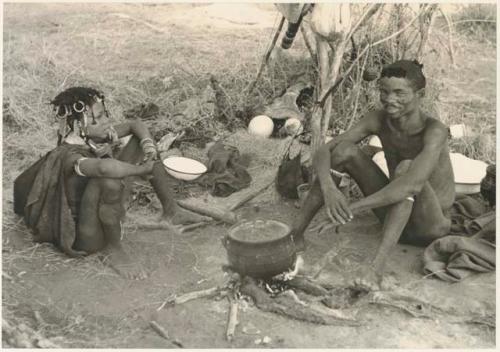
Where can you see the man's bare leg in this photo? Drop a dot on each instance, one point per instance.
(419, 220)
(345, 157)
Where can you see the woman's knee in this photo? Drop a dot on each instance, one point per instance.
(111, 190)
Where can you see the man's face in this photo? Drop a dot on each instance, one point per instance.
(398, 97)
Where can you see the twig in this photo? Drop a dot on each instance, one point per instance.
(473, 20)
(163, 333)
(314, 57)
(251, 195)
(233, 318)
(196, 225)
(321, 101)
(364, 17)
(7, 276)
(266, 57)
(357, 97)
(450, 35)
(194, 295)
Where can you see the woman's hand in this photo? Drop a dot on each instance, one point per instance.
(149, 149)
(103, 133)
(103, 150)
(337, 206)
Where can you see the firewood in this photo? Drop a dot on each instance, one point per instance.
(233, 319)
(194, 295)
(288, 307)
(227, 216)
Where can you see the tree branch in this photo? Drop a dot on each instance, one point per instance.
(321, 101)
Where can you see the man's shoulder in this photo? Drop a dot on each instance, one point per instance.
(433, 125)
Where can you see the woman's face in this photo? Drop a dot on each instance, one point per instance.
(98, 110)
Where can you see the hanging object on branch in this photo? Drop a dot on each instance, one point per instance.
(331, 20)
(370, 74)
(293, 14)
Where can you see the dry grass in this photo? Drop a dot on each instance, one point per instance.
(58, 46)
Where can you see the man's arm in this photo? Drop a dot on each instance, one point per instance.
(367, 126)
(335, 202)
(418, 174)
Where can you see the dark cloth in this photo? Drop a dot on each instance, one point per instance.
(291, 174)
(47, 210)
(470, 247)
(468, 215)
(453, 258)
(226, 171)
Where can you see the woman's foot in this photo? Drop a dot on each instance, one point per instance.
(184, 217)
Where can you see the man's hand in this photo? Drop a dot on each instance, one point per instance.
(337, 206)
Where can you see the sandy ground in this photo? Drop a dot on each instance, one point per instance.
(86, 304)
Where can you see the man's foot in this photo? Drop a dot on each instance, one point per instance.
(365, 279)
(185, 217)
(121, 262)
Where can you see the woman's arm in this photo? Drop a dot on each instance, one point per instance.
(112, 168)
(101, 133)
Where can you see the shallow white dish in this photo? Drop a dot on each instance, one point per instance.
(468, 173)
(183, 168)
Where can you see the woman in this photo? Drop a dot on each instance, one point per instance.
(74, 196)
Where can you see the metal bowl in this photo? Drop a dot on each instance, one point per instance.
(183, 168)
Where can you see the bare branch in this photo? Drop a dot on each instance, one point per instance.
(364, 17)
(450, 35)
(321, 101)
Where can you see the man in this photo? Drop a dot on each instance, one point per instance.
(413, 202)
(74, 196)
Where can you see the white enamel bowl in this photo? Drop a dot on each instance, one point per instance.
(183, 168)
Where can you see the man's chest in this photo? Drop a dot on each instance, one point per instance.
(400, 146)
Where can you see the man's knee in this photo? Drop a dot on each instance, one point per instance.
(422, 234)
(438, 229)
(402, 167)
(111, 190)
(344, 152)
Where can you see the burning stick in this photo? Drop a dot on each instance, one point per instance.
(193, 295)
(233, 319)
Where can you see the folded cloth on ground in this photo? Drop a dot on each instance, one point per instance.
(469, 248)
(453, 258)
(227, 171)
(468, 215)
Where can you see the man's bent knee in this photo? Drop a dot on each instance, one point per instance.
(402, 167)
(344, 152)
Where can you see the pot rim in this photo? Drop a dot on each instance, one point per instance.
(256, 244)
